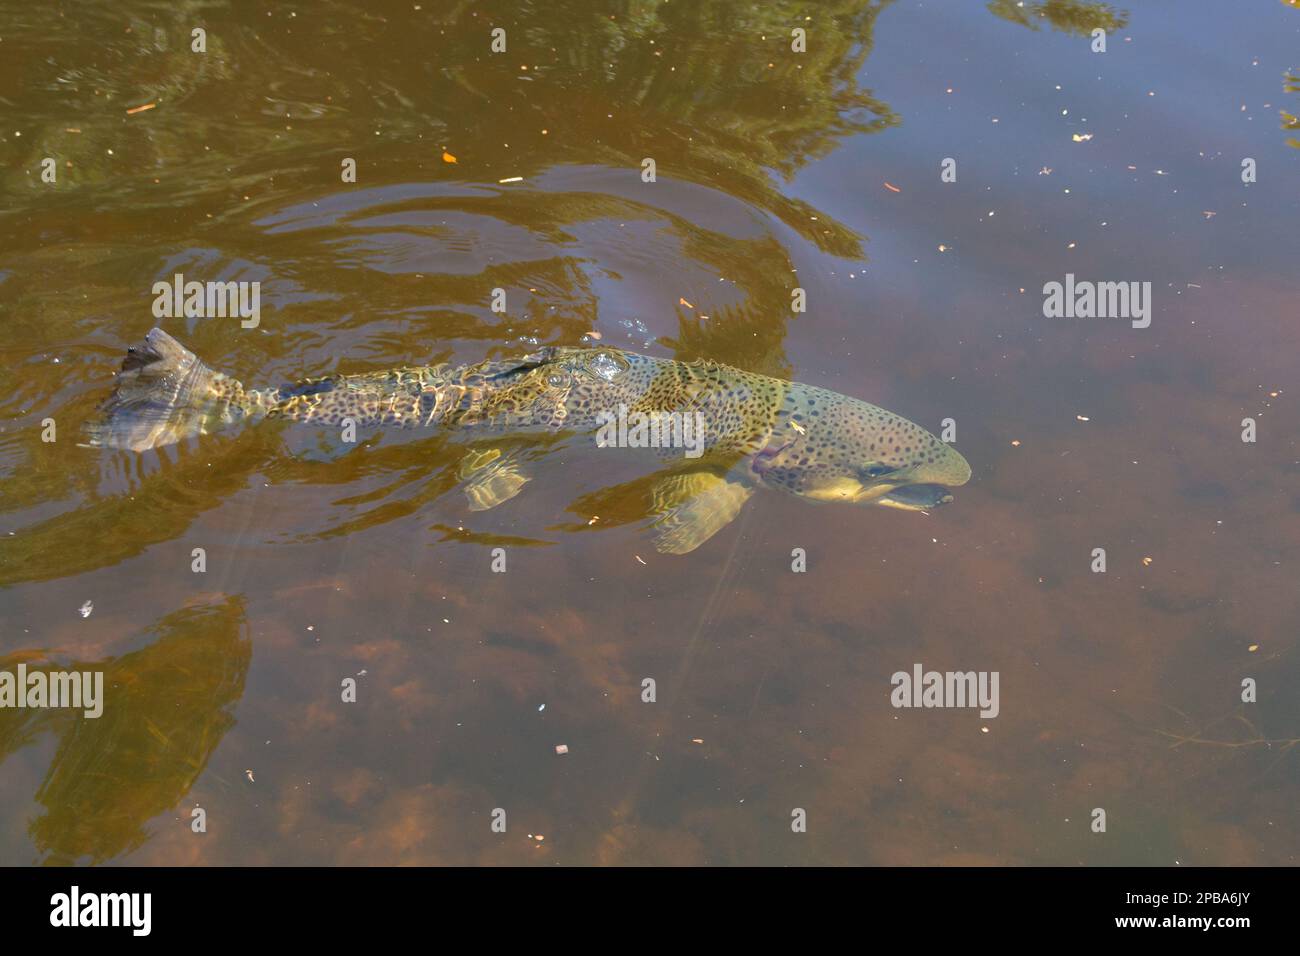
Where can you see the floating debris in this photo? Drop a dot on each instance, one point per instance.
(1146, 562)
(1081, 137)
(140, 109)
(892, 188)
(447, 157)
(561, 748)
(86, 608)
(249, 774)
(509, 179)
(639, 558)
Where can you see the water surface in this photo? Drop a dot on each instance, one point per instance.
(819, 170)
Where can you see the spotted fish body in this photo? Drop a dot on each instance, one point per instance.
(757, 431)
(796, 438)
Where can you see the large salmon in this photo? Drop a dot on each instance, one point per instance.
(745, 431)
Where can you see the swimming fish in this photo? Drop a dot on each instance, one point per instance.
(750, 431)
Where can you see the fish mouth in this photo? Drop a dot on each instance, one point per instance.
(919, 497)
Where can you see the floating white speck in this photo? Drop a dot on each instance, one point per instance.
(86, 608)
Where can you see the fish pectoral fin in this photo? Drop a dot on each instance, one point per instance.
(693, 508)
(490, 478)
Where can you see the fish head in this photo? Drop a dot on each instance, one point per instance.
(829, 447)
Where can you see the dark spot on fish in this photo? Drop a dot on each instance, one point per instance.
(305, 388)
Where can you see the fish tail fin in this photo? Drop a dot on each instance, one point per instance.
(164, 394)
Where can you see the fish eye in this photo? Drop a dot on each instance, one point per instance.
(876, 470)
(557, 379)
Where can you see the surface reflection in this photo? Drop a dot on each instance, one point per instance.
(166, 708)
(774, 170)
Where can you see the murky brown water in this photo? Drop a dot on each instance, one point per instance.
(1119, 691)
